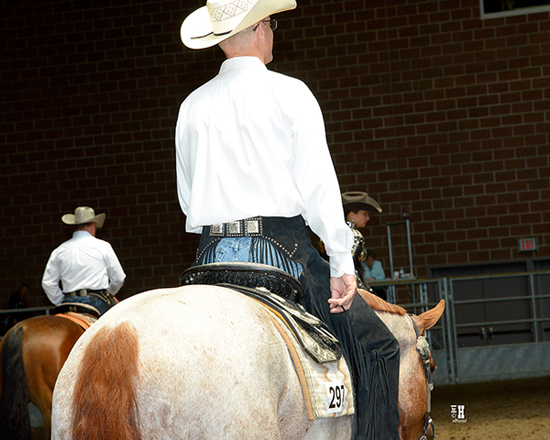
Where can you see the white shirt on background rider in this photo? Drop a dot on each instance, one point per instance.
(82, 262)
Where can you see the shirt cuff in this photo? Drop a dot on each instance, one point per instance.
(341, 264)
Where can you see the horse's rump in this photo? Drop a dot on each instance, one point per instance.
(14, 415)
(34, 351)
(211, 365)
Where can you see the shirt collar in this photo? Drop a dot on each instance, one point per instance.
(81, 233)
(242, 62)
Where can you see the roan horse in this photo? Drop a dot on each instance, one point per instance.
(33, 352)
(205, 362)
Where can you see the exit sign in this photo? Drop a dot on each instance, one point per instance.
(527, 244)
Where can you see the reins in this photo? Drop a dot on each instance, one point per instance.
(423, 347)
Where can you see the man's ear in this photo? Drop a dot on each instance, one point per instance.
(259, 39)
(260, 33)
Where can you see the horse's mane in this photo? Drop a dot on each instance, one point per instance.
(377, 303)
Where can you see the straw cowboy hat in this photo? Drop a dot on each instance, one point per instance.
(221, 19)
(357, 200)
(83, 215)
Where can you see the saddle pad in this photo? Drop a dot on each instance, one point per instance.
(313, 334)
(327, 386)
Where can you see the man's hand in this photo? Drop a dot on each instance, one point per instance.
(343, 290)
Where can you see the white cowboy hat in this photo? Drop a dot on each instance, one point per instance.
(82, 215)
(221, 19)
(357, 200)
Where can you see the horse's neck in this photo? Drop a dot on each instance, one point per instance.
(400, 326)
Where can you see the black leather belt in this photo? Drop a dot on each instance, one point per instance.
(86, 292)
(248, 227)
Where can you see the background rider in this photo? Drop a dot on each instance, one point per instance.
(87, 267)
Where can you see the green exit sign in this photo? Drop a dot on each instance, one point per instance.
(527, 244)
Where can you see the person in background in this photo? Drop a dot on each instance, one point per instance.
(357, 206)
(88, 268)
(373, 270)
(253, 166)
(17, 300)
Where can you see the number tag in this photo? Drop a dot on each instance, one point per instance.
(336, 396)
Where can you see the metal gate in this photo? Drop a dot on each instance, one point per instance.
(494, 327)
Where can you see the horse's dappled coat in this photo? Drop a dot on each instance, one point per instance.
(211, 365)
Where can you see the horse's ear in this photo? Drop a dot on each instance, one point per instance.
(427, 320)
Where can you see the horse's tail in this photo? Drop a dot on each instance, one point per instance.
(105, 404)
(14, 415)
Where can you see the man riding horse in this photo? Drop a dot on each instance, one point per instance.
(253, 168)
(357, 206)
(88, 268)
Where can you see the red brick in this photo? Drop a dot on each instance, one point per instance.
(105, 120)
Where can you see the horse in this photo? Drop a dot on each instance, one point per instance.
(32, 354)
(203, 361)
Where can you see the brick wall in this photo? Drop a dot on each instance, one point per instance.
(427, 107)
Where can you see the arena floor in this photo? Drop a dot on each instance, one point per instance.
(515, 409)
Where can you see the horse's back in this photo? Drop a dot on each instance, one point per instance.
(211, 365)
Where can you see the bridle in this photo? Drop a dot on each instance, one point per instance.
(423, 347)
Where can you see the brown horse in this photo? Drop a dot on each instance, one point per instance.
(32, 352)
(206, 362)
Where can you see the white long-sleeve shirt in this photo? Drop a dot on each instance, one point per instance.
(83, 262)
(251, 142)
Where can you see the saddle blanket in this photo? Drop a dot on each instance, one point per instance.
(84, 321)
(327, 386)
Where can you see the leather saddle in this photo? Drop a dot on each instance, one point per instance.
(253, 275)
(75, 307)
